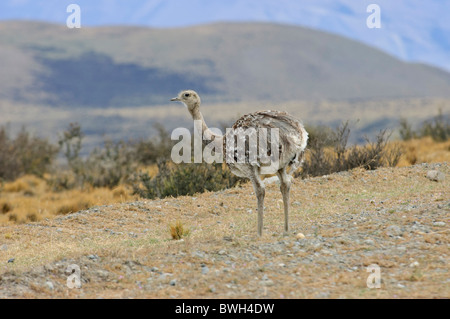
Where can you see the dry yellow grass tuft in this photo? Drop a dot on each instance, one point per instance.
(26, 184)
(177, 230)
(424, 150)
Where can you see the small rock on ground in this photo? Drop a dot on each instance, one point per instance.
(435, 175)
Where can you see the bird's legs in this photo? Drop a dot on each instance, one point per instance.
(260, 192)
(285, 186)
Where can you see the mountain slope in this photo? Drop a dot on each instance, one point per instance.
(415, 30)
(123, 66)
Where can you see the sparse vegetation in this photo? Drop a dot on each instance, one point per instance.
(438, 128)
(104, 167)
(183, 179)
(24, 154)
(405, 130)
(328, 152)
(424, 150)
(35, 200)
(150, 151)
(120, 171)
(389, 217)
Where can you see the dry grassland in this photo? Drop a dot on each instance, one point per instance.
(395, 218)
(424, 150)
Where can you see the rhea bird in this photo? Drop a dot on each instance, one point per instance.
(292, 140)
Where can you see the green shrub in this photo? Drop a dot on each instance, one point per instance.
(25, 154)
(103, 167)
(183, 179)
(328, 152)
(110, 165)
(438, 128)
(406, 131)
(149, 151)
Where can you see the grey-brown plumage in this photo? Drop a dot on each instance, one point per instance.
(292, 143)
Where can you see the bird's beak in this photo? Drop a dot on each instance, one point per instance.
(175, 99)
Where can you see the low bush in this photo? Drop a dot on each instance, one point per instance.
(183, 179)
(24, 154)
(103, 167)
(438, 128)
(149, 151)
(327, 152)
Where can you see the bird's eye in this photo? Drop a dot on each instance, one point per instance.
(187, 94)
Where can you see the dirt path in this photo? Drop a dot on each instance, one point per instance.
(396, 219)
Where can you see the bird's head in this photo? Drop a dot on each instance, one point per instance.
(189, 98)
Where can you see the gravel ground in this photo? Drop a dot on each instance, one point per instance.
(343, 225)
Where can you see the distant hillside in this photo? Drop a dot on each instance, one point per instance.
(130, 66)
(413, 30)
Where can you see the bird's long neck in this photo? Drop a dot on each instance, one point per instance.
(206, 132)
